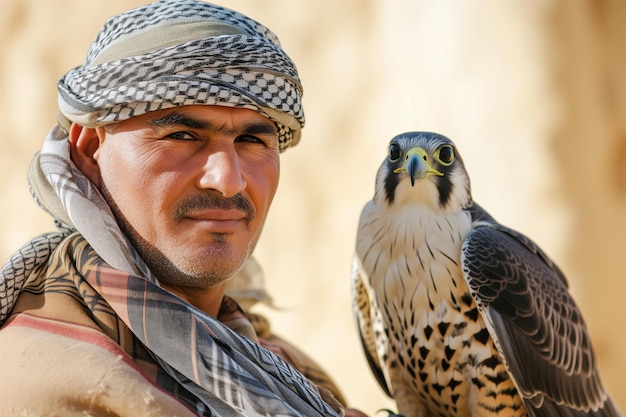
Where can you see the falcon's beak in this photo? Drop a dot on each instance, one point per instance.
(416, 165)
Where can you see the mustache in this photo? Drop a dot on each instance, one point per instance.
(207, 201)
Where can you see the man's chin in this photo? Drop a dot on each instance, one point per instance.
(202, 271)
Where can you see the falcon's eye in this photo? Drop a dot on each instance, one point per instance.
(445, 155)
(394, 152)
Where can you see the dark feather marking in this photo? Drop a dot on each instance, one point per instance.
(428, 331)
(491, 362)
(472, 314)
(449, 258)
(430, 302)
(406, 264)
(390, 183)
(495, 409)
(477, 382)
(467, 299)
(403, 286)
(437, 387)
(455, 237)
(443, 327)
(372, 220)
(411, 371)
(454, 383)
(432, 255)
(375, 266)
(432, 279)
(472, 360)
(401, 361)
(419, 258)
(449, 352)
(445, 187)
(458, 329)
(379, 235)
(412, 307)
(482, 336)
(498, 378)
(394, 241)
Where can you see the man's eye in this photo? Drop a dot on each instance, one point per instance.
(250, 139)
(181, 136)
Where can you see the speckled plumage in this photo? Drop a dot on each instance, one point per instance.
(459, 315)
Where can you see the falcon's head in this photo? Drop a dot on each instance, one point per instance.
(423, 167)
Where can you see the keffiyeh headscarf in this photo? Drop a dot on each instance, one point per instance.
(182, 52)
(168, 53)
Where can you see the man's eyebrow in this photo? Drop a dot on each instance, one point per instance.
(260, 128)
(179, 119)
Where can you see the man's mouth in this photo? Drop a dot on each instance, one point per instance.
(213, 208)
(217, 220)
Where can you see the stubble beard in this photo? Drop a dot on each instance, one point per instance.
(208, 270)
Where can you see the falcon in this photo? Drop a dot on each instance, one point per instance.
(459, 315)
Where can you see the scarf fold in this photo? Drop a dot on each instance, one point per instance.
(228, 374)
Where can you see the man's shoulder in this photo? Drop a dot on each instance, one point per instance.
(63, 368)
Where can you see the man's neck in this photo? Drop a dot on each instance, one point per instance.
(208, 300)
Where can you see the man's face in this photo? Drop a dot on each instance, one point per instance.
(191, 187)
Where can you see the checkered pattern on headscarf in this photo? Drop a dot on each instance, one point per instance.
(182, 52)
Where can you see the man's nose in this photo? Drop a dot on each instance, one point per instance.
(222, 172)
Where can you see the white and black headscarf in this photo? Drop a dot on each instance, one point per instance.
(182, 52)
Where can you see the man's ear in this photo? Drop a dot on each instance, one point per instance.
(84, 144)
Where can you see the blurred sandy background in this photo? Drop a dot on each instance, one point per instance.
(533, 92)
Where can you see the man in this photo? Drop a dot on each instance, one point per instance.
(159, 177)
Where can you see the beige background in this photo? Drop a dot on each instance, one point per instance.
(533, 92)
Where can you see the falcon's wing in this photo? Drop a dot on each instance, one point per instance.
(539, 330)
(369, 323)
